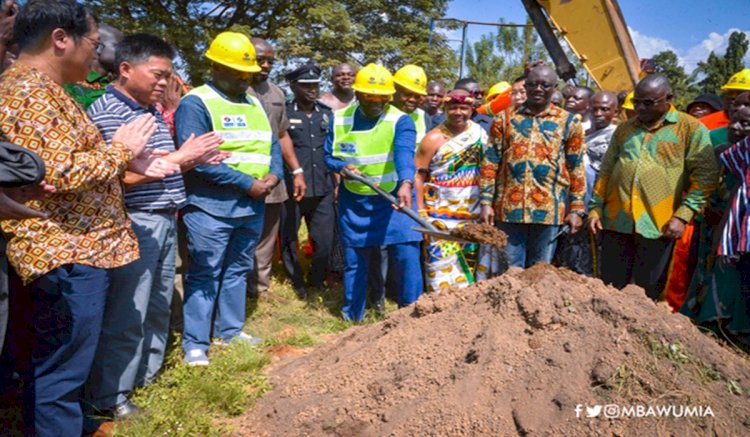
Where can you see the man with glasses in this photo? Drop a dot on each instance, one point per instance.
(518, 92)
(533, 179)
(375, 140)
(103, 69)
(655, 176)
(63, 261)
(274, 103)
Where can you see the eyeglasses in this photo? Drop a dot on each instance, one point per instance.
(535, 85)
(97, 45)
(262, 61)
(649, 102)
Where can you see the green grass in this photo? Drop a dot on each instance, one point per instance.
(197, 401)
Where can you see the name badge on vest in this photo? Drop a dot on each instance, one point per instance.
(350, 148)
(233, 121)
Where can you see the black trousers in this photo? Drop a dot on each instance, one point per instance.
(627, 258)
(319, 218)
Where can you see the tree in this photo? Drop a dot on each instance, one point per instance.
(718, 69)
(327, 31)
(667, 63)
(483, 63)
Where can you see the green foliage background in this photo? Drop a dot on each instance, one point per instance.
(393, 32)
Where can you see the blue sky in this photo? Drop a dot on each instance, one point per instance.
(691, 28)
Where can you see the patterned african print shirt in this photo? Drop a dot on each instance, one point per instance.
(532, 171)
(86, 221)
(651, 175)
(88, 91)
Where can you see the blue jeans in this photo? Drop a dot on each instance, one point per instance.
(407, 274)
(136, 322)
(67, 309)
(529, 244)
(221, 252)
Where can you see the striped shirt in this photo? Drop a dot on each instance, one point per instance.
(735, 237)
(113, 110)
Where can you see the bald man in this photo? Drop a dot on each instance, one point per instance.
(274, 103)
(533, 179)
(574, 251)
(103, 70)
(342, 94)
(656, 175)
(433, 101)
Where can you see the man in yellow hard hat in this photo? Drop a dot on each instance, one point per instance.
(736, 85)
(410, 82)
(375, 140)
(225, 204)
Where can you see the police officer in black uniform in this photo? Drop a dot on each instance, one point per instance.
(308, 120)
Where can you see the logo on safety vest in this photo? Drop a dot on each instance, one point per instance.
(350, 148)
(233, 121)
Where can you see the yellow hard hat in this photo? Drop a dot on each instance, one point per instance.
(628, 103)
(413, 78)
(496, 89)
(233, 50)
(739, 81)
(374, 79)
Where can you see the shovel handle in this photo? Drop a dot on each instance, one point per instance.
(389, 197)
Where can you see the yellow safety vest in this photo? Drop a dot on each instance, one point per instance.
(420, 121)
(244, 128)
(370, 151)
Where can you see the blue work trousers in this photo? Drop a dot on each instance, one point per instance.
(529, 244)
(67, 307)
(407, 273)
(220, 255)
(136, 319)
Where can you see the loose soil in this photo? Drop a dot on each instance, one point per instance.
(513, 356)
(482, 233)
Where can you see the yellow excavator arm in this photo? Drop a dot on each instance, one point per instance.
(596, 33)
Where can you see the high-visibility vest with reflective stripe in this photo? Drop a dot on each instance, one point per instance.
(244, 128)
(370, 151)
(420, 121)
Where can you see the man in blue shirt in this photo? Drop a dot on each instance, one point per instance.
(375, 140)
(226, 202)
(137, 312)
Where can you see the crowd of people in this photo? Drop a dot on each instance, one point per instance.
(106, 153)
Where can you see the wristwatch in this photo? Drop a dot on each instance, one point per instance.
(299, 170)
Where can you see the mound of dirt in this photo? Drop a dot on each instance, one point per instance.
(515, 355)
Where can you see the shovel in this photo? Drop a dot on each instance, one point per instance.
(425, 227)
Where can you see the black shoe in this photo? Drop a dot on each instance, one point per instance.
(125, 410)
(301, 291)
(320, 288)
